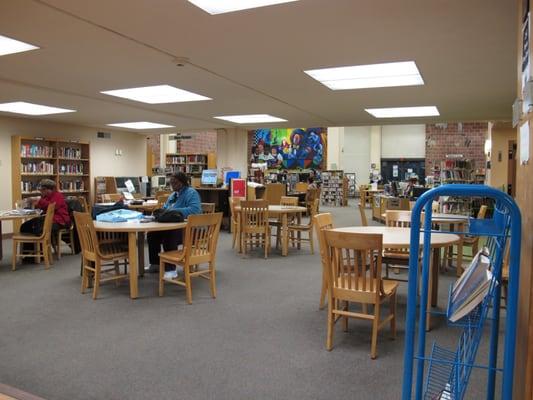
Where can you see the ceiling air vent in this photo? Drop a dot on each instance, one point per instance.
(103, 135)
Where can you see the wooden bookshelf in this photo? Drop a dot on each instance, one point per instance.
(333, 188)
(191, 163)
(67, 162)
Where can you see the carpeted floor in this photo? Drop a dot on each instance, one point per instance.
(262, 338)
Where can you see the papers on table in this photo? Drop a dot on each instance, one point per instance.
(21, 212)
(472, 287)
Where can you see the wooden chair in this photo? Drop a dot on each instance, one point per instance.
(84, 205)
(234, 224)
(397, 257)
(322, 222)
(296, 230)
(200, 246)
(162, 199)
(42, 243)
(310, 196)
(301, 187)
(255, 228)
(111, 197)
(289, 201)
(473, 241)
(97, 255)
(351, 280)
(61, 237)
(364, 221)
(208, 208)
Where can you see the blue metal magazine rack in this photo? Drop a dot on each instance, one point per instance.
(444, 373)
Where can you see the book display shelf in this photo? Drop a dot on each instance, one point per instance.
(332, 189)
(67, 162)
(191, 164)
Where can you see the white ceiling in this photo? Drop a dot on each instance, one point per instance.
(251, 62)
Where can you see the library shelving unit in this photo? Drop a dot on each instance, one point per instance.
(332, 189)
(456, 170)
(191, 164)
(65, 161)
(352, 186)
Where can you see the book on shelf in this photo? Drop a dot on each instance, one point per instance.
(472, 286)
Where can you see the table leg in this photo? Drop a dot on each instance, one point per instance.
(1, 242)
(433, 286)
(140, 252)
(299, 233)
(284, 235)
(460, 252)
(133, 258)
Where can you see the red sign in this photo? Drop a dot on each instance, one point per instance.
(238, 187)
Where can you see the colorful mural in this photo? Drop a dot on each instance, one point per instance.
(289, 148)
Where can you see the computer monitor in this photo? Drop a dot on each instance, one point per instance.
(209, 177)
(229, 175)
(419, 191)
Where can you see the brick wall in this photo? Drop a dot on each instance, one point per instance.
(154, 142)
(466, 138)
(201, 142)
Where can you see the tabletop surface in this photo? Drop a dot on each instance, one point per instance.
(401, 237)
(136, 226)
(5, 216)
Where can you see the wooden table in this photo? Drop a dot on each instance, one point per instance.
(282, 212)
(135, 231)
(400, 238)
(10, 217)
(148, 207)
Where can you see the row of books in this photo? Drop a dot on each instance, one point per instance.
(72, 185)
(71, 169)
(69, 152)
(456, 174)
(36, 150)
(454, 163)
(29, 186)
(42, 167)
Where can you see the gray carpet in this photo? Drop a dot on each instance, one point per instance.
(262, 338)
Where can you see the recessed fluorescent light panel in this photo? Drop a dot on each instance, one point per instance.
(225, 6)
(156, 94)
(251, 118)
(393, 74)
(22, 107)
(400, 112)
(12, 46)
(140, 125)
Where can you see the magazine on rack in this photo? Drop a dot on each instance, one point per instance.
(472, 287)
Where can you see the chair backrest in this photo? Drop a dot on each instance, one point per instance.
(254, 215)
(288, 201)
(208, 208)
(482, 212)
(48, 221)
(354, 265)
(398, 218)
(301, 187)
(111, 197)
(364, 221)
(87, 234)
(274, 191)
(84, 204)
(322, 222)
(312, 194)
(162, 199)
(234, 201)
(201, 237)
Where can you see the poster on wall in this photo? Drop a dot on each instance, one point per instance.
(290, 148)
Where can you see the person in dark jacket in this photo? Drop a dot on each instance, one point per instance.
(186, 200)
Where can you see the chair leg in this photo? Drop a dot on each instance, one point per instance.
(323, 292)
(188, 288)
(46, 254)
(84, 277)
(392, 310)
(375, 325)
(15, 255)
(331, 322)
(311, 241)
(161, 276)
(345, 318)
(96, 285)
(58, 245)
(117, 272)
(212, 279)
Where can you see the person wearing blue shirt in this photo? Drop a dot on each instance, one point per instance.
(186, 200)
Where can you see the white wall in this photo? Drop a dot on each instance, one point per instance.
(403, 141)
(232, 149)
(356, 152)
(103, 159)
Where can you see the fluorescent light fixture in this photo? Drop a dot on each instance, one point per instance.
(141, 125)
(400, 112)
(225, 6)
(251, 118)
(12, 46)
(22, 107)
(156, 94)
(392, 74)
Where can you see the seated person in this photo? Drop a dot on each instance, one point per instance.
(311, 189)
(186, 200)
(49, 194)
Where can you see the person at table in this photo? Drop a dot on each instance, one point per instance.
(49, 194)
(186, 200)
(311, 189)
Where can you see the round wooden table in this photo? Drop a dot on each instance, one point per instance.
(282, 212)
(400, 238)
(136, 231)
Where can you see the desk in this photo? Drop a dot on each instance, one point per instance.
(281, 212)
(10, 217)
(136, 231)
(219, 196)
(400, 238)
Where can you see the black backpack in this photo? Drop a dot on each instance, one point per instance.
(165, 215)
